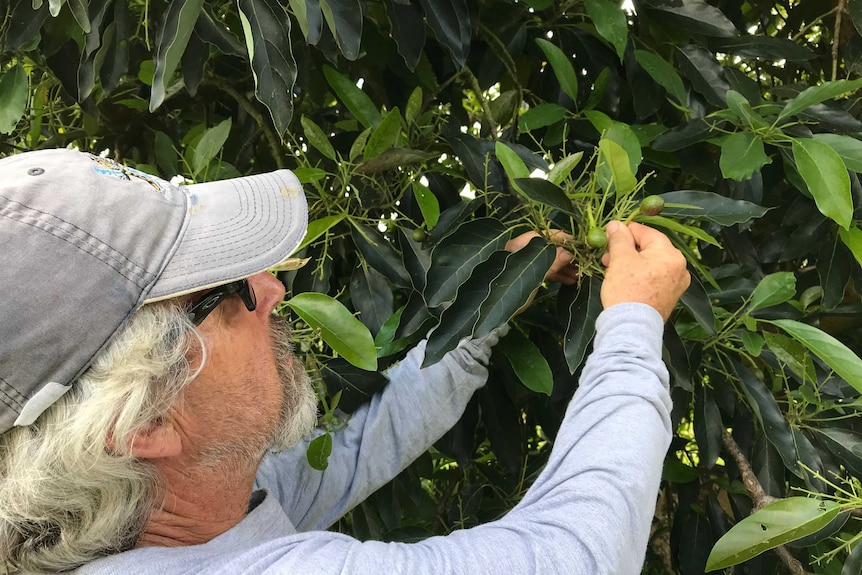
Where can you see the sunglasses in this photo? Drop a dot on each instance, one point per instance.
(202, 308)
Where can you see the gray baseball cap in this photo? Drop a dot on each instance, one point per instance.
(85, 241)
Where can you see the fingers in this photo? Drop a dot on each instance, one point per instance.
(645, 237)
(643, 266)
(562, 270)
(519, 241)
(620, 240)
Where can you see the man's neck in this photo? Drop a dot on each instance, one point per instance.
(197, 507)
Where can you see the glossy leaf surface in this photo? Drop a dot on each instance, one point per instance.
(774, 525)
(338, 328)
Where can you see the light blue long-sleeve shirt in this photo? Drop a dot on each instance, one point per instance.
(589, 511)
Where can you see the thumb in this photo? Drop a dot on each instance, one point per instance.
(620, 239)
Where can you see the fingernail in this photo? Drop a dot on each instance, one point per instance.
(612, 227)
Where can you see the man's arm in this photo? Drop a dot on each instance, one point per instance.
(382, 437)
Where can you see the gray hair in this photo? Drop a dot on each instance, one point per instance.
(65, 497)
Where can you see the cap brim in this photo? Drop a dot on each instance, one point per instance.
(235, 228)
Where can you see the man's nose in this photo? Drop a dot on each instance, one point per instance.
(268, 290)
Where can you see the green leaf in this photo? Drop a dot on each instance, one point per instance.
(267, 39)
(703, 71)
(505, 107)
(300, 12)
(358, 145)
(817, 94)
(711, 207)
(77, 7)
(319, 227)
(414, 105)
(742, 156)
(579, 306)
(428, 204)
(210, 145)
(341, 331)
(772, 290)
(769, 417)
(316, 137)
(177, 26)
(663, 73)
(698, 17)
(793, 354)
(458, 320)
(752, 342)
(453, 259)
(545, 193)
(564, 167)
(610, 22)
(385, 136)
(527, 361)
(14, 89)
(416, 258)
(309, 175)
(451, 22)
(739, 105)
(513, 165)
(562, 67)
(394, 158)
(776, 524)
(826, 177)
(846, 445)
(853, 563)
(523, 273)
(540, 116)
(357, 101)
(619, 174)
(371, 296)
(380, 254)
(626, 137)
(697, 130)
(849, 148)
(834, 353)
(90, 52)
(670, 224)
(852, 238)
(344, 18)
(697, 302)
(318, 452)
(23, 27)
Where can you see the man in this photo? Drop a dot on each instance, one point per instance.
(144, 379)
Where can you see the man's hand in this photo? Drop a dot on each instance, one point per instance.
(561, 270)
(644, 267)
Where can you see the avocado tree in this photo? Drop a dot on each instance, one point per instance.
(428, 133)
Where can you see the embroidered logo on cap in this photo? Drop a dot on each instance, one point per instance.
(110, 168)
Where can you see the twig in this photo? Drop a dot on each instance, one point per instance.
(486, 109)
(810, 25)
(760, 497)
(836, 37)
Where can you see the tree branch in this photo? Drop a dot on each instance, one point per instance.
(836, 37)
(759, 496)
(749, 478)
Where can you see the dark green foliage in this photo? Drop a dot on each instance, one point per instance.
(418, 129)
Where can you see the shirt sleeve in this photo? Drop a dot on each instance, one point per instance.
(590, 510)
(382, 438)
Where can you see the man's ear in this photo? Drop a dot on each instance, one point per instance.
(160, 439)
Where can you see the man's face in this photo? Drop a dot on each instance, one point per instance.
(252, 394)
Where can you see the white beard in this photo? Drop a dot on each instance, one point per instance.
(299, 402)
